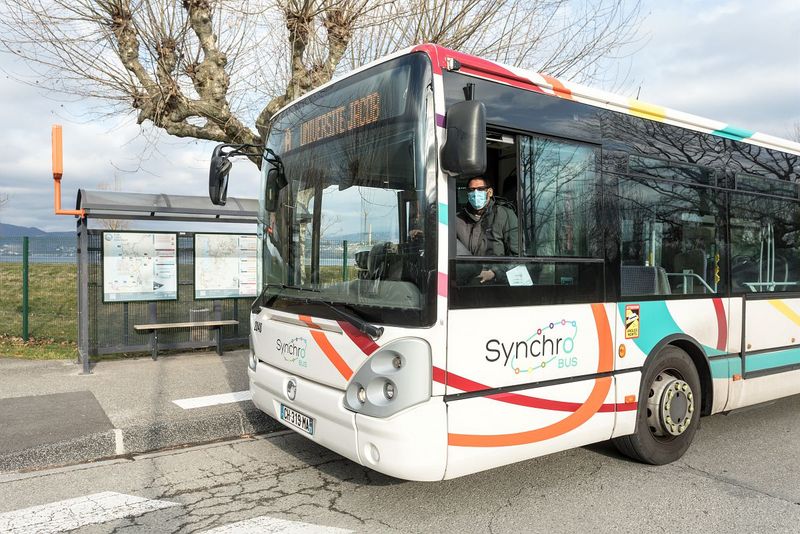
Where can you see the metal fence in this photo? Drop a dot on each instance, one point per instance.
(52, 275)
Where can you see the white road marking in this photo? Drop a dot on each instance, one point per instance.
(273, 525)
(212, 400)
(75, 513)
(119, 445)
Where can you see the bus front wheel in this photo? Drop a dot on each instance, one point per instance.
(669, 409)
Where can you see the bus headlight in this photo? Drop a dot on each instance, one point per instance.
(394, 378)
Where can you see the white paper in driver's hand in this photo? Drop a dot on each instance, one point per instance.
(519, 276)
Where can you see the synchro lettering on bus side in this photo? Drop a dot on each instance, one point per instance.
(523, 349)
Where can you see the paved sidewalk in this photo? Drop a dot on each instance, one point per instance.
(51, 415)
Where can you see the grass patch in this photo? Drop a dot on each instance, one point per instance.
(52, 311)
(37, 349)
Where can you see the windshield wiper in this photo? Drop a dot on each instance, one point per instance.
(363, 326)
(371, 330)
(280, 289)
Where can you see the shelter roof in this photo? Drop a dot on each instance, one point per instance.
(163, 207)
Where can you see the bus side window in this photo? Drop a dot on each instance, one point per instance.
(765, 244)
(670, 238)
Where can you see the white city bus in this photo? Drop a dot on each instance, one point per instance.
(656, 279)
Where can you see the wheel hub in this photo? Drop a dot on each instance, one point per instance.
(670, 406)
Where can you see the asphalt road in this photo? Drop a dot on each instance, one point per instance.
(742, 474)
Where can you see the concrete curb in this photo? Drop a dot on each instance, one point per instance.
(185, 431)
(142, 438)
(82, 449)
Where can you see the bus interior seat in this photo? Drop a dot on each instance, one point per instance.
(644, 280)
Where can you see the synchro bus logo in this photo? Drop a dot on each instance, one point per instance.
(553, 344)
(293, 350)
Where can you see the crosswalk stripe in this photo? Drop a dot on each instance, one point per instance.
(212, 400)
(78, 512)
(272, 525)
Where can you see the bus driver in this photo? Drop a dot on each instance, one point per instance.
(485, 227)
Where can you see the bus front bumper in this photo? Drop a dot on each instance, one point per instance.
(411, 444)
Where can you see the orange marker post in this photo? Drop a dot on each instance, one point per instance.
(58, 172)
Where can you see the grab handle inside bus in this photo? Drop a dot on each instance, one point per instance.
(464, 152)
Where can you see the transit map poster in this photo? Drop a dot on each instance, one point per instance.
(139, 266)
(225, 265)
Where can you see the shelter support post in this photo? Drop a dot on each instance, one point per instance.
(217, 317)
(152, 311)
(83, 295)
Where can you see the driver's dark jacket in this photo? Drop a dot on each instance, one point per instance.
(493, 233)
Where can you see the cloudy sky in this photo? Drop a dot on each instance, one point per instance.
(735, 61)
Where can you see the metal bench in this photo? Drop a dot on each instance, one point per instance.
(154, 328)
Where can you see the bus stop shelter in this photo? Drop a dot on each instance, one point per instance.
(105, 327)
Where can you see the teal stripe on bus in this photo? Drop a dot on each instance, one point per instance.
(655, 323)
(732, 132)
(711, 351)
(720, 368)
(771, 360)
(443, 214)
(725, 368)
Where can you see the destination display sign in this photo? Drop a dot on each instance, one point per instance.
(332, 113)
(356, 114)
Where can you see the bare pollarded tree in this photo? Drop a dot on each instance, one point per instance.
(219, 69)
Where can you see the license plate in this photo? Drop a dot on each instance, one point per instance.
(297, 419)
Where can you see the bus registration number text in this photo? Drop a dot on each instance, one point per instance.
(297, 419)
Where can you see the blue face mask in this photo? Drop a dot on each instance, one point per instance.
(477, 199)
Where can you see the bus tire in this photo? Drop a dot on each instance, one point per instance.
(668, 415)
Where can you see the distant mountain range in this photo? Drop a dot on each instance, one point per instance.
(10, 230)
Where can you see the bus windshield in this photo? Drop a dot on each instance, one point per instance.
(350, 228)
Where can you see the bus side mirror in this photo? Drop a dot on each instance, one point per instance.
(218, 177)
(275, 182)
(464, 152)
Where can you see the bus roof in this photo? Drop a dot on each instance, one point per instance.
(444, 59)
